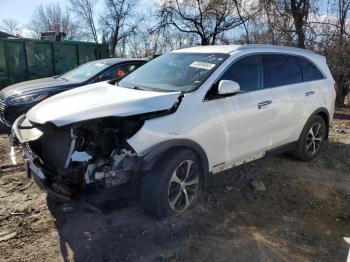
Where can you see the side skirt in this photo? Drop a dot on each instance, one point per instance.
(272, 152)
(282, 149)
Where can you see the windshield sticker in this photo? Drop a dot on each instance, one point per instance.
(203, 65)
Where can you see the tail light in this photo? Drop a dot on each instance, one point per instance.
(336, 88)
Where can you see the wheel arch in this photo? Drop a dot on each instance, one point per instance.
(158, 150)
(322, 112)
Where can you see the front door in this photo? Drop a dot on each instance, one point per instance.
(247, 115)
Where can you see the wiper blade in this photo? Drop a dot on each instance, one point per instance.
(132, 87)
(138, 88)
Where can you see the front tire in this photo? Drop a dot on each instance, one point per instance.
(311, 139)
(173, 185)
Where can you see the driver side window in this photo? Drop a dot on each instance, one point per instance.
(119, 71)
(246, 72)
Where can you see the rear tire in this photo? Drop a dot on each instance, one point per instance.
(173, 184)
(311, 139)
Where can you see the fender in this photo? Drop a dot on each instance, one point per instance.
(156, 151)
(323, 112)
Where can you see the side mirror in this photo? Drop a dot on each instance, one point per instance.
(228, 87)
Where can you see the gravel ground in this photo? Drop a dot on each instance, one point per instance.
(301, 215)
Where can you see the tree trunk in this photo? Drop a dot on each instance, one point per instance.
(300, 12)
(112, 47)
(301, 35)
(205, 41)
(341, 94)
(213, 40)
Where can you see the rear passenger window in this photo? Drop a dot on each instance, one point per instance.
(310, 71)
(246, 72)
(281, 70)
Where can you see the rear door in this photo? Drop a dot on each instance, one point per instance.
(283, 76)
(315, 92)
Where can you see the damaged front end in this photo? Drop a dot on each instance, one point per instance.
(67, 159)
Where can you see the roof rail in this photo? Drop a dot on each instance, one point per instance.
(184, 47)
(286, 48)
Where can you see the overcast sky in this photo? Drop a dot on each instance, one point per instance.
(21, 10)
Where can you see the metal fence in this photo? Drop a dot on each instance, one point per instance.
(25, 59)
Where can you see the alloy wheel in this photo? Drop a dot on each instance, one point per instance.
(183, 186)
(314, 138)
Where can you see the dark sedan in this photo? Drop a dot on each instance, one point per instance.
(17, 99)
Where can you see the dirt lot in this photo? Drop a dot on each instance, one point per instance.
(302, 215)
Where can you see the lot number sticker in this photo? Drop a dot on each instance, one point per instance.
(202, 65)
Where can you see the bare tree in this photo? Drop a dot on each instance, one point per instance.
(286, 21)
(52, 17)
(343, 12)
(84, 9)
(205, 18)
(311, 24)
(118, 22)
(300, 11)
(150, 39)
(341, 58)
(11, 26)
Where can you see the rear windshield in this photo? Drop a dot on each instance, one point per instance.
(183, 72)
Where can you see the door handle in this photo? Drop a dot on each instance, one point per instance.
(265, 103)
(309, 93)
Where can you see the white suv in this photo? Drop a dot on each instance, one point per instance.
(186, 114)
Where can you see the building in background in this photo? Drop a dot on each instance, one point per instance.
(52, 36)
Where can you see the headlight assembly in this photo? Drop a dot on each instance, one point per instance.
(27, 99)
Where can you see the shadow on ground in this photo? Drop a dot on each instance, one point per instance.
(301, 216)
(3, 129)
(342, 116)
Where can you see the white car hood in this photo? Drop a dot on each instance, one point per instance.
(99, 100)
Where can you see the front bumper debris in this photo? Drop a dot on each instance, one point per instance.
(41, 180)
(66, 160)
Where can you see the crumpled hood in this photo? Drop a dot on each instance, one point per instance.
(33, 86)
(99, 100)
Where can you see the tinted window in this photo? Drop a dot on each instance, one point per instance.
(281, 70)
(85, 71)
(119, 71)
(246, 72)
(310, 71)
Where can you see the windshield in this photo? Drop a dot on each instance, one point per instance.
(183, 72)
(84, 72)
